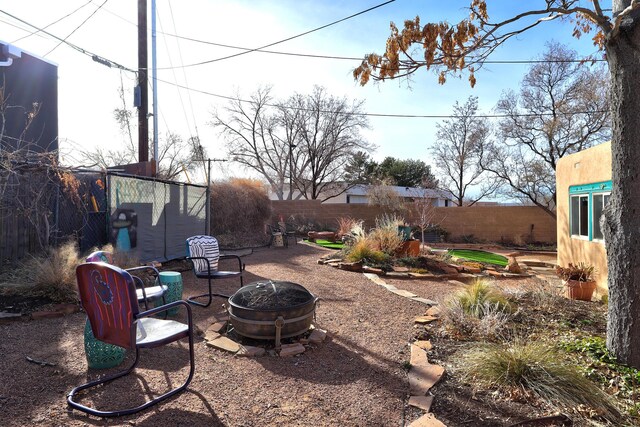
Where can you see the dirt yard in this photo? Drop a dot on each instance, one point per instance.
(357, 377)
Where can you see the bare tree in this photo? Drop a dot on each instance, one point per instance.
(456, 153)
(450, 49)
(259, 136)
(302, 143)
(329, 135)
(562, 108)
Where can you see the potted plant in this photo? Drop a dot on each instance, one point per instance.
(578, 280)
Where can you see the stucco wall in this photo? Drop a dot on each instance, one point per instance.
(586, 167)
(491, 223)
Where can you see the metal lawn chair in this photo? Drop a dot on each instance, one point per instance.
(144, 293)
(287, 233)
(108, 295)
(204, 254)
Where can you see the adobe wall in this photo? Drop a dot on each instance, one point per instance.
(588, 166)
(490, 223)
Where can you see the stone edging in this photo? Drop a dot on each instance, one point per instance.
(422, 374)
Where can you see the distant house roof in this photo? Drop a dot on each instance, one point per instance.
(427, 193)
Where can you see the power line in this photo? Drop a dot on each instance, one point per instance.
(94, 56)
(288, 38)
(355, 58)
(388, 115)
(53, 23)
(76, 29)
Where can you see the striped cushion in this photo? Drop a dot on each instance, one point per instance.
(206, 247)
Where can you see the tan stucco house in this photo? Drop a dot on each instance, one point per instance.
(583, 186)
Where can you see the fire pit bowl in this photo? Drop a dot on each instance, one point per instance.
(272, 310)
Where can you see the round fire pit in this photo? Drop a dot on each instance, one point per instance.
(272, 310)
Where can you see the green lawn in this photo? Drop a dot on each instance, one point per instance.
(328, 244)
(479, 256)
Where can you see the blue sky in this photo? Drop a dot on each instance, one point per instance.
(88, 90)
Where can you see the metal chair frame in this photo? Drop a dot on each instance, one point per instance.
(213, 275)
(100, 256)
(132, 339)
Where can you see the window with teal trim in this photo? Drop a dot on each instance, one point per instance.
(586, 205)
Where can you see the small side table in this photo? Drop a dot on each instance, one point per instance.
(173, 281)
(101, 355)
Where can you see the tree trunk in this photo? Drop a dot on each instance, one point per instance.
(622, 224)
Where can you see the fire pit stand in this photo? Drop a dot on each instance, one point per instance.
(272, 310)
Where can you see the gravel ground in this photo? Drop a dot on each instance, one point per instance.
(355, 378)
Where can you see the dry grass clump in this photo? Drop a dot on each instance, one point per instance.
(54, 273)
(346, 225)
(479, 310)
(386, 236)
(537, 368)
(363, 251)
(479, 297)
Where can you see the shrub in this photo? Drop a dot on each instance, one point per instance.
(459, 322)
(477, 298)
(363, 251)
(539, 369)
(347, 224)
(239, 206)
(386, 235)
(54, 273)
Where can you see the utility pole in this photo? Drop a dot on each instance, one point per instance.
(143, 106)
(291, 147)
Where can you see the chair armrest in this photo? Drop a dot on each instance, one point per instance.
(240, 264)
(139, 280)
(166, 307)
(144, 267)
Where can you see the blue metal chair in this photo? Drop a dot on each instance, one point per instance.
(108, 295)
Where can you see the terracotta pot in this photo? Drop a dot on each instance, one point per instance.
(576, 289)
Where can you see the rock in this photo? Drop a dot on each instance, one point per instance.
(6, 317)
(494, 273)
(317, 336)
(216, 327)
(513, 266)
(427, 420)
(472, 270)
(351, 266)
(66, 308)
(401, 269)
(425, 301)
(372, 270)
(425, 319)
(250, 351)
(224, 343)
(210, 335)
(49, 314)
(425, 276)
(456, 283)
(398, 275)
(433, 311)
(423, 344)
(422, 402)
(375, 279)
(291, 350)
(422, 375)
(403, 293)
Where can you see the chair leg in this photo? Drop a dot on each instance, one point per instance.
(210, 295)
(91, 411)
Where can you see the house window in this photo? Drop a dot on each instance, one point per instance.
(586, 204)
(600, 201)
(580, 216)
